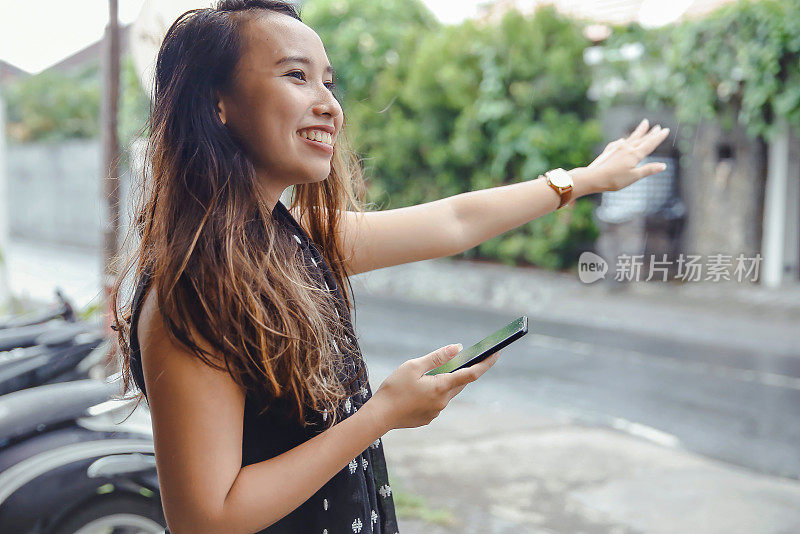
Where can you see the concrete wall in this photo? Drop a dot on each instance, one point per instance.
(724, 182)
(55, 192)
(721, 180)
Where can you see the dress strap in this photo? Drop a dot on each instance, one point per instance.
(135, 351)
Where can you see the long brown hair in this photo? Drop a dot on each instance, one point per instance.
(224, 272)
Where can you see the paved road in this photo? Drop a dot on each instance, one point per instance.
(738, 407)
(691, 403)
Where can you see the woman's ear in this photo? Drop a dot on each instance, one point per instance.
(220, 105)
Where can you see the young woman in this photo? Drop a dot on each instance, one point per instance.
(239, 333)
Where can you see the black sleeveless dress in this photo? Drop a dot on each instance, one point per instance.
(358, 499)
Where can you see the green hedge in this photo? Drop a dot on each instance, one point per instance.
(465, 107)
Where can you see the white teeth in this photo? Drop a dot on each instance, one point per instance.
(317, 135)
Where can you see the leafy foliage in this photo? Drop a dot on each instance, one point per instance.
(363, 37)
(53, 105)
(475, 106)
(739, 64)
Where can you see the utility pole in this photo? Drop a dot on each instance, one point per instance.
(5, 292)
(781, 223)
(110, 149)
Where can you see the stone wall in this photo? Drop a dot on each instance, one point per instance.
(724, 177)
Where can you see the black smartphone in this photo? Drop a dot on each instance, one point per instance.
(485, 347)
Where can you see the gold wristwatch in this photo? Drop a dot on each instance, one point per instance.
(561, 181)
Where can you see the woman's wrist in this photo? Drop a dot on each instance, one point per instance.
(585, 181)
(377, 417)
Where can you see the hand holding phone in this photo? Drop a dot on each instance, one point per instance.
(485, 347)
(409, 399)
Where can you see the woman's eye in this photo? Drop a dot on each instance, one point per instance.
(330, 85)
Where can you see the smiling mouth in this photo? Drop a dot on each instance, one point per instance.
(316, 135)
(318, 144)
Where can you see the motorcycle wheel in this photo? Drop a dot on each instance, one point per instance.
(119, 514)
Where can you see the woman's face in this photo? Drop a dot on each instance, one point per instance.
(272, 100)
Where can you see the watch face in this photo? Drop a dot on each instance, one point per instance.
(560, 178)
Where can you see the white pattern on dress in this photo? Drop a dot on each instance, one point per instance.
(348, 405)
(385, 490)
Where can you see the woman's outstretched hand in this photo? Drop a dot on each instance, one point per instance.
(616, 167)
(409, 398)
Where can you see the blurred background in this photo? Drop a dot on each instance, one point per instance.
(663, 397)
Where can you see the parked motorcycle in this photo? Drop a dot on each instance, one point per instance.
(62, 310)
(71, 461)
(69, 464)
(62, 354)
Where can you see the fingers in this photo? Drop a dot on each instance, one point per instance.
(461, 377)
(436, 358)
(648, 169)
(464, 376)
(639, 131)
(650, 141)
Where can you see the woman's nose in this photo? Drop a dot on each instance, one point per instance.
(328, 104)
